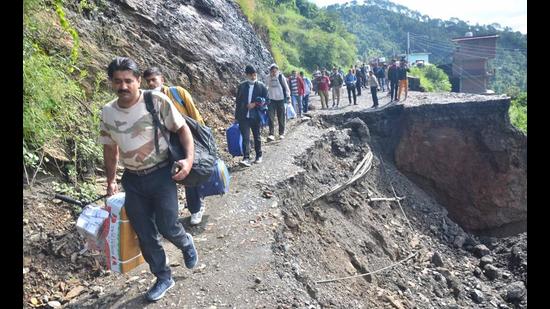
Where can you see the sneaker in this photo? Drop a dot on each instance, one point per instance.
(245, 162)
(190, 256)
(270, 138)
(282, 136)
(196, 218)
(158, 290)
(258, 159)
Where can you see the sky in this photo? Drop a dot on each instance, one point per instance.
(511, 13)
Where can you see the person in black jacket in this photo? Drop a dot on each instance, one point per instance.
(393, 78)
(245, 113)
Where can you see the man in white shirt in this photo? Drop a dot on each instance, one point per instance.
(278, 93)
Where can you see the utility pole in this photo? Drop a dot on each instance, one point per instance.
(408, 45)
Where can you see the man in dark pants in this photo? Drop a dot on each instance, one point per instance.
(185, 105)
(374, 87)
(247, 91)
(350, 81)
(394, 79)
(151, 202)
(278, 92)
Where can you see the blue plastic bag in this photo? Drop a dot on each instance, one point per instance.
(264, 117)
(218, 184)
(234, 140)
(290, 113)
(259, 113)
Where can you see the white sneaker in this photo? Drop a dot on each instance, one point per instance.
(258, 160)
(245, 162)
(270, 138)
(196, 218)
(282, 136)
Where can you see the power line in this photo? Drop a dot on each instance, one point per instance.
(427, 39)
(449, 49)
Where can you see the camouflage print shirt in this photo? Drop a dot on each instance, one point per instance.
(133, 131)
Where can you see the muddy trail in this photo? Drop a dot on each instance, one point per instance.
(274, 242)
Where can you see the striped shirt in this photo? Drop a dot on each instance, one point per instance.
(293, 85)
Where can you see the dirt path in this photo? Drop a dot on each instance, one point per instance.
(260, 252)
(235, 239)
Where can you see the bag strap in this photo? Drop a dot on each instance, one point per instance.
(280, 78)
(148, 97)
(176, 95)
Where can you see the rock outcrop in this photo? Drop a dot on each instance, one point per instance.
(462, 149)
(202, 45)
(471, 157)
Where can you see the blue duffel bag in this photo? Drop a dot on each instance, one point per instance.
(218, 183)
(234, 140)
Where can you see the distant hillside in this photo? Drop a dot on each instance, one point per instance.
(300, 35)
(381, 29)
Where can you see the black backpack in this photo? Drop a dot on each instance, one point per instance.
(280, 78)
(206, 152)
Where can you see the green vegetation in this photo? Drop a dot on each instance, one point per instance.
(381, 28)
(518, 111)
(59, 121)
(432, 79)
(300, 35)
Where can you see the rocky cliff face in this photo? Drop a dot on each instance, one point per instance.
(472, 158)
(202, 45)
(462, 149)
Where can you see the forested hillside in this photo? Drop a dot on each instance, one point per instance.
(381, 27)
(66, 45)
(302, 35)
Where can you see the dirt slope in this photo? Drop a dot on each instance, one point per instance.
(259, 252)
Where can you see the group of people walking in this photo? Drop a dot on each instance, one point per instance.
(128, 136)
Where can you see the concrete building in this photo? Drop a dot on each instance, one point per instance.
(414, 58)
(470, 60)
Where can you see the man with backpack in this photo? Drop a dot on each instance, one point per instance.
(151, 201)
(245, 106)
(185, 105)
(336, 82)
(278, 93)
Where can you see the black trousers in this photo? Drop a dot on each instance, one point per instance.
(152, 206)
(393, 89)
(358, 86)
(276, 107)
(374, 92)
(351, 89)
(245, 125)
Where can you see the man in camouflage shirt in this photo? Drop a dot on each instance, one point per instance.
(151, 202)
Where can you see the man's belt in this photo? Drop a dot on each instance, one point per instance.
(148, 170)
